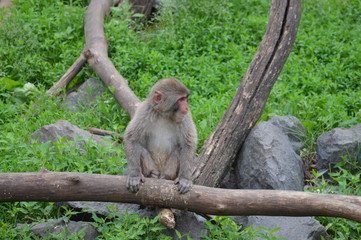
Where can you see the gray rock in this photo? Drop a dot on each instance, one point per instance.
(267, 160)
(292, 128)
(339, 142)
(64, 129)
(57, 227)
(291, 228)
(105, 208)
(85, 95)
(230, 180)
(186, 222)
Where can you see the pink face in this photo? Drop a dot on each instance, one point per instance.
(182, 110)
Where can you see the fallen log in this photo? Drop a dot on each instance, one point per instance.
(48, 186)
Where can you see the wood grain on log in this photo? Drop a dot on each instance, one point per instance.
(66, 186)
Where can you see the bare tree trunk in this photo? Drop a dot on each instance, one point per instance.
(67, 186)
(221, 148)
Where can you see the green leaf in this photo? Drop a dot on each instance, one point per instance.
(8, 84)
(138, 15)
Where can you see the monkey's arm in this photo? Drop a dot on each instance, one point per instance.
(186, 156)
(133, 152)
(184, 179)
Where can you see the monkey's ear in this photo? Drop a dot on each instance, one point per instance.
(157, 97)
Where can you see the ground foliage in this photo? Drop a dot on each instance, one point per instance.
(206, 44)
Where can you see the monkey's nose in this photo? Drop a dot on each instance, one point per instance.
(184, 110)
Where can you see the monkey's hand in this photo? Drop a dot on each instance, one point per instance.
(184, 185)
(155, 174)
(134, 182)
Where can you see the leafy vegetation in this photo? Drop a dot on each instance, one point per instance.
(225, 228)
(346, 179)
(209, 48)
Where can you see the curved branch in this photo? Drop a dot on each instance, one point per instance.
(96, 52)
(220, 149)
(62, 186)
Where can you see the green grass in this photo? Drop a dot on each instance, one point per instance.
(206, 44)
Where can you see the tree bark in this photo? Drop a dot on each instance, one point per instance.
(220, 149)
(66, 186)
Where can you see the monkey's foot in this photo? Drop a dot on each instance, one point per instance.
(166, 217)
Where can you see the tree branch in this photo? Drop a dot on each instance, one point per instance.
(102, 132)
(67, 186)
(68, 76)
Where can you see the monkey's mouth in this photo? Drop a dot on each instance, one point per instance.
(179, 118)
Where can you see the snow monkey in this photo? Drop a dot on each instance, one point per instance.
(161, 139)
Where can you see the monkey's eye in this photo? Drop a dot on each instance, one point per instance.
(182, 99)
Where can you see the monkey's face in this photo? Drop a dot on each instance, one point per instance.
(169, 97)
(171, 105)
(182, 109)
